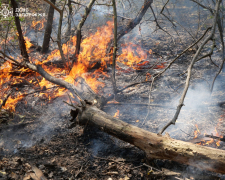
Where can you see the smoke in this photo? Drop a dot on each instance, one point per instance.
(53, 120)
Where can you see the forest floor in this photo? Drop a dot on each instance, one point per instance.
(36, 140)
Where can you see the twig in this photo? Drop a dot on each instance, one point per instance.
(215, 137)
(205, 7)
(151, 167)
(149, 99)
(5, 99)
(186, 133)
(157, 24)
(134, 84)
(179, 55)
(210, 53)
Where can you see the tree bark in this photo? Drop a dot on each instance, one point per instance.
(155, 146)
(48, 29)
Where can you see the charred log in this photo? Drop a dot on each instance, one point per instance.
(155, 146)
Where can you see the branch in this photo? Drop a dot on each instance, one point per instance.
(157, 24)
(179, 55)
(216, 137)
(101, 11)
(134, 22)
(220, 27)
(53, 5)
(173, 121)
(205, 7)
(42, 72)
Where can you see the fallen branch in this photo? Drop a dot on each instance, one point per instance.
(155, 146)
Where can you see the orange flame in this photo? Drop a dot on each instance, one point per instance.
(93, 54)
(210, 142)
(39, 24)
(196, 132)
(116, 115)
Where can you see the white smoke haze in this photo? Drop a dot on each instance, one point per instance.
(53, 119)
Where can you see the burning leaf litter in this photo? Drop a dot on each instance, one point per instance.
(93, 52)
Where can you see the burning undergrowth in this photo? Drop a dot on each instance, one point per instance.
(33, 94)
(28, 91)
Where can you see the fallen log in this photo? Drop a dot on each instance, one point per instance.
(155, 146)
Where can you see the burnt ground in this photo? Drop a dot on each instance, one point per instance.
(36, 138)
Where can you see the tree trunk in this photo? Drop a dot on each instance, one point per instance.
(155, 146)
(20, 34)
(48, 29)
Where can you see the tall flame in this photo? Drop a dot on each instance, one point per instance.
(93, 54)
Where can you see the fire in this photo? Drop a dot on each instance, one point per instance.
(132, 55)
(38, 24)
(196, 132)
(28, 44)
(211, 142)
(116, 115)
(93, 56)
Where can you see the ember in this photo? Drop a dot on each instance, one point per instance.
(215, 141)
(116, 115)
